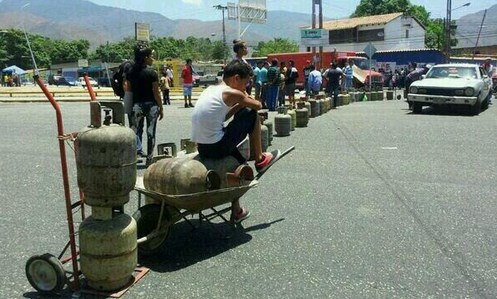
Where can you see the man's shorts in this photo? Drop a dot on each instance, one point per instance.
(187, 90)
(236, 131)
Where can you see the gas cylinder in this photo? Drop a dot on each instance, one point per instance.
(308, 107)
(293, 116)
(264, 137)
(106, 164)
(269, 125)
(322, 109)
(346, 99)
(314, 108)
(389, 95)
(108, 253)
(180, 175)
(302, 117)
(282, 124)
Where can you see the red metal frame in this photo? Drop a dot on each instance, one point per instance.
(62, 137)
(65, 178)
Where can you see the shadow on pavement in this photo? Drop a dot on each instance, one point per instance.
(185, 247)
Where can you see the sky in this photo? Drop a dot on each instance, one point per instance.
(203, 9)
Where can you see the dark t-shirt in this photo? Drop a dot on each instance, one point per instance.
(273, 76)
(334, 77)
(141, 84)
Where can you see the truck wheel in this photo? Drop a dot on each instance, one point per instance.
(417, 108)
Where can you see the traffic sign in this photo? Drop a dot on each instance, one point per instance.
(370, 50)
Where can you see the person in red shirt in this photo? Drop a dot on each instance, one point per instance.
(187, 76)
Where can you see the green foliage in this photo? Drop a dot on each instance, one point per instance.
(380, 7)
(14, 50)
(278, 45)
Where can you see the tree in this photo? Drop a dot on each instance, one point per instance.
(278, 45)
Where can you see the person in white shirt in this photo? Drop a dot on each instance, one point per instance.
(214, 139)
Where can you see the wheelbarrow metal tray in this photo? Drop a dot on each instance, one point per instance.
(201, 200)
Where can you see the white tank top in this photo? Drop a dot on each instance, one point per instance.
(209, 115)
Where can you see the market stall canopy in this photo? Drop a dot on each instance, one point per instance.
(14, 68)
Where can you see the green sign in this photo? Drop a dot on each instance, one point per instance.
(311, 33)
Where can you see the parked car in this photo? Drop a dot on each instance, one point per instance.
(494, 81)
(81, 82)
(60, 80)
(207, 80)
(452, 84)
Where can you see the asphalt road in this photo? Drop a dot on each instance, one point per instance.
(375, 202)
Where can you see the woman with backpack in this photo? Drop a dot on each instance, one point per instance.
(147, 103)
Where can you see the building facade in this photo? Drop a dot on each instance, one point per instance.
(393, 31)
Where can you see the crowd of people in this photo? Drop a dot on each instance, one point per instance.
(11, 79)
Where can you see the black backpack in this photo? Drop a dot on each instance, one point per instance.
(118, 78)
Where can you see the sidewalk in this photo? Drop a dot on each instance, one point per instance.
(33, 94)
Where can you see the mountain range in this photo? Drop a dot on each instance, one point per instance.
(82, 19)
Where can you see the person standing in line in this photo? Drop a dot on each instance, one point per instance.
(169, 73)
(264, 85)
(334, 75)
(291, 78)
(144, 83)
(307, 71)
(315, 80)
(281, 90)
(348, 72)
(187, 76)
(273, 78)
(241, 50)
(165, 84)
(258, 85)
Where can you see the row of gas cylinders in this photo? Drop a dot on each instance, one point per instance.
(288, 119)
(106, 172)
(374, 96)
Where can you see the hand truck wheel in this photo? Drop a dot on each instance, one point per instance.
(45, 273)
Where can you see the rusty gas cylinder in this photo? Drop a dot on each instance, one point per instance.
(106, 164)
(108, 253)
(180, 175)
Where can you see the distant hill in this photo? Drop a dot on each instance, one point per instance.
(469, 25)
(81, 19)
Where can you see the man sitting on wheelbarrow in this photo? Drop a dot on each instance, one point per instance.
(214, 140)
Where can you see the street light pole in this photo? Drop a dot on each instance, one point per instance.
(448, 21)
(223, 8)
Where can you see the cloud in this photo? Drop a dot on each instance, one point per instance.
(193, 2)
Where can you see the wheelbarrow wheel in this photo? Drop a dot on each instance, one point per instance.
(146, 219)
(45, 273)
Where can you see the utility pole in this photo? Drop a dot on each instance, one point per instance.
(223, 8)
(448, 21)
(479, 32)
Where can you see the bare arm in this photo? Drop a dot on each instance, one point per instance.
(158, 100)
(232, 97)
